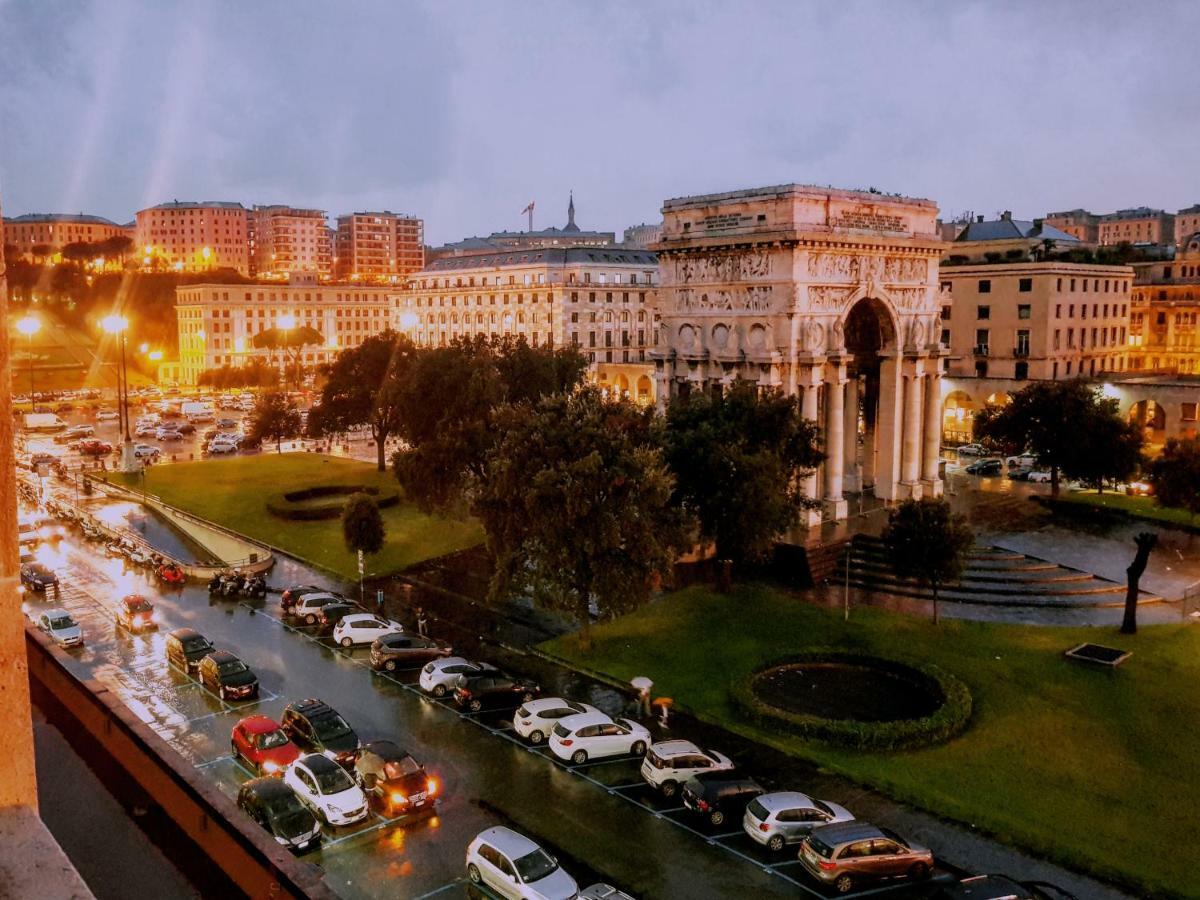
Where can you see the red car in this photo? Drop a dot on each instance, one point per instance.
(95, 448)
(262, 744)
(137, 614)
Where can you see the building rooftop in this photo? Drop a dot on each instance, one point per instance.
(285, 210)
(381, 213)
(868, 196)
(1071, 213)
(549, 256)
(76, 218)
(197, 204)
(1194, 208)
(1006, 228)
(1140, 212)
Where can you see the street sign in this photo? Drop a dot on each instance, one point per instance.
(360, 563)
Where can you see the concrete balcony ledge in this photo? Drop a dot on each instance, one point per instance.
(31, 862)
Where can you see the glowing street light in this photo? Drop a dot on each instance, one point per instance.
(29, 326)
(119, 325)
(155, 355)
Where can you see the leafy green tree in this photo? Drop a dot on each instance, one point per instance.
(362, 525)
(928, 542)
(363, 386)
(738, 462)
(575, 499)
(1175, 475)
(116, 247)
(290, 341)
(1108, 450)
(274, 418)
(79, 251)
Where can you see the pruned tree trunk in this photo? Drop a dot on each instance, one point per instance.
(1054, 481)
(1145, 542)
(934, 586)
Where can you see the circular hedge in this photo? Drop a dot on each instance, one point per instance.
(295, 505)
(951, 716)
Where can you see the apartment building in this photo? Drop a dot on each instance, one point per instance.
(601, 299)
(378, 246)
(194, 236)
(1078, 223)
(50, 232)
(1141, 225)
(286, 239)
(1166, 308)
(1035, 320)
(217, 322)
(1187, 224)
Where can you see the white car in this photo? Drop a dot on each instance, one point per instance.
(438, 677)
(594, 735)
(1021, 461)
(309, 605)
(59, 625)
(167, 433)
(146, 451)
(218, 446)
(324, 787)
(363, 628)
(535, 719)
(145, 429)
(1040, 477)
(513, 866)
(602, 891)
(786, 817)
(107, 415)
(668, 764)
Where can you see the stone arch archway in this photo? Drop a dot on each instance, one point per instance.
(643, 389)
(958, 417)
(1151, 417)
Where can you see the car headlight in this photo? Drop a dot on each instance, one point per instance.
(270, 767)
(282, 840)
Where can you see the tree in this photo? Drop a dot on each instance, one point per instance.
(1175, 475)
(363, 386)
(362, 525)
(738, 462)
(290, 340)
(40, 251)
(575, 499)
(1145, 542)
(1108, 449)
(928, 542)
(116, 247)
(1067, 425)
(274, 418)
(79, 251)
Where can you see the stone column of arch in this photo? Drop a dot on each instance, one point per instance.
(931, 483)
(910, 448)
(851, 480)
(835, 436)
(809, 384)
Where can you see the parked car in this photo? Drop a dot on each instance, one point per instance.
(219, 446)
(135, 613)
(61, 628)
(107, 415)
(147, 452)
(316, 727)
(718, 796)
(37, 577)
(1021, 461)
(514, 866)
(668, 764)
(331, 613)
(276, 807)
(291, 594)
(95, 448)
(227, 424)
(1001, 887)
(593, 735)
(478, 690)
(390, 776)
(262, 744)
(405, 651)
(1039, 476)
(603, 892)
(168, 434)
(228, 677)
(185, 647)
(308, 605)
(145, 429)
(972, 450)
(438, 677)
(324, 787)
(185, 427)
(535, 720)
(363, 628)
(1019, 474)
(786, 817)
(847, 854)
(984, 467)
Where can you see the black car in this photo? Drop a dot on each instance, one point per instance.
(985, 467)
(288, 598)
(491, 689)
(275, 806)
(330, 614)
(404, 650)
(186, 647)
(390, 776)
(720, 796)
(185, 427)
(37, 577)
(316, 727)
(1001, 887)
(228, 677)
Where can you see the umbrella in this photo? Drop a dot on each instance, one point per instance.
(642, 683)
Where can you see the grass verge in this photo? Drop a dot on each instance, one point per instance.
(233, 492)
(1135, 507)
(1086, 766)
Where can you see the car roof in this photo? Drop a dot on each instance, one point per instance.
(259, 724)
(508, 842)
(310, 706)
(720, 777)
(359, 617)
(322, 594)
(674, 748)
(54, 612)
(784, 800)
(318, 763)
(222, 656)
(452, 661)
(386, 750)
(268, 787)
(134, 599)
(584, 719)
(542, 703)
(185, 634)
(843, 832)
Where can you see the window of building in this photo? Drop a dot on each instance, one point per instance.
(983, 312)
(1187, 411)
(1022, 348)
(1058, 285)
(1021, 370)
(945, 337)
(1023, 311)
(981, 340)
(985, 286)
(1025, 285)
(945, 313)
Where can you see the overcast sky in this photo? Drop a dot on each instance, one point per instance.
(462, 113)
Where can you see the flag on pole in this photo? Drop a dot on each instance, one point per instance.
(528, 209)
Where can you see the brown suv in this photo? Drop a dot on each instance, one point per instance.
(851, 852)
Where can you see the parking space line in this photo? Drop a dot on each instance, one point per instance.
(383, 823)
(213, 762)
(728, 834)
(625, 787)
(441, 890)
(603, 762)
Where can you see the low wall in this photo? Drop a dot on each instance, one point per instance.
(247, 855)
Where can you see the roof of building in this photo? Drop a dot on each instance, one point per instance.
(384, 212)
(283, 209)
(1007, 228)
(197, 204)
(870, 195)
(74, 218)
(1194, 208)
(500, 240)
(1138, 212)
(549, 256)
(1072, 213)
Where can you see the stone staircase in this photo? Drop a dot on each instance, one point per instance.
(994, 576)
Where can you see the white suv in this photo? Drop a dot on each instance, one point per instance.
(534, 720)
(514, 866)
(668, 764)
(438, 677)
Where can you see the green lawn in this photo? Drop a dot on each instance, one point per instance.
(1095, 768)
(1139, 507)
(232, 492)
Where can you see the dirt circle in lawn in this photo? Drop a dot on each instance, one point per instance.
(863, 690)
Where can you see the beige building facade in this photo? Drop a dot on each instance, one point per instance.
(55, 230)
(1078, 223)
(378, 247)
(1142, 225)
(826, 294)
(217, 322)
(1166, 312)
(600, 299)
(1187, 224)
(286, 239)
(194, 236)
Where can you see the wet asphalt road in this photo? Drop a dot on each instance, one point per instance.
(601, 821)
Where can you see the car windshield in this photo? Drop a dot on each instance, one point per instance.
(333, 780)
(272, 739)
(233, 667)
(60, 622)
(823, 807)
(38, 569)
(330, 726)
(402, 767)
(757, 810)
(289, 816)
(535, 866)
(139, 605)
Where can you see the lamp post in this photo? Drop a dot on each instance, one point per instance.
(287, 322)
(29, 326)
(118, 325)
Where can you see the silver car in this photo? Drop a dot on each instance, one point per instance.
(786, 817)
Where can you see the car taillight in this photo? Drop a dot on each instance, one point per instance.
(432, 786)
(702, 805)
(399, 799)
(763, 826)
(827, 866)
(464, 692)
(567, 742)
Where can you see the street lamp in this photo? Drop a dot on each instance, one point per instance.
(118, 325)
(29, 326)
(287, 322)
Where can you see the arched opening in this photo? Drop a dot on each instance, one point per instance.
(869, 332)
(643, 389)
(1151, 417)
(622, 386)
(958, 417)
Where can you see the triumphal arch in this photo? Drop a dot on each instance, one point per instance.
(828, 294)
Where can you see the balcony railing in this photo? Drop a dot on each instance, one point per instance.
(981, 350)
(1020, 352)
